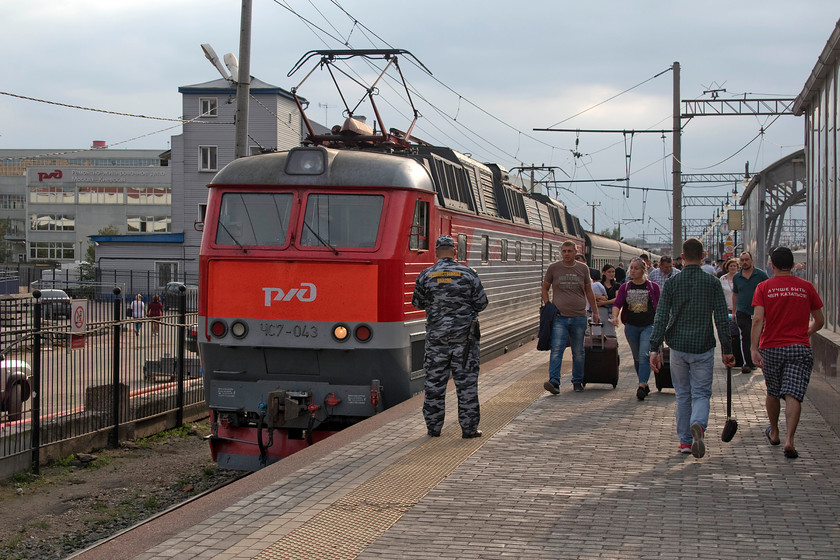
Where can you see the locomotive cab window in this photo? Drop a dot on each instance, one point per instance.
(254, 219)
(418, 239)
(341, 220)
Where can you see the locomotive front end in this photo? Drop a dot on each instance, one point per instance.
(301, 320)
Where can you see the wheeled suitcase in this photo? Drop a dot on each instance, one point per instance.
(601, 363)
(663, 376)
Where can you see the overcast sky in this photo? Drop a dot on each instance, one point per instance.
(500, 69)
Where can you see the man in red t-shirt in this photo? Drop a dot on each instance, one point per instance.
(784, 306)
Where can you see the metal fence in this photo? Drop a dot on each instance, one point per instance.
(118, 377)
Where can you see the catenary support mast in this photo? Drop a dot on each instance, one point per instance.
(676, 247)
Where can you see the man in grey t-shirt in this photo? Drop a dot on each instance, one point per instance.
(571, 287)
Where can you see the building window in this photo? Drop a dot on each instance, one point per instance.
(207, 156)
(12, 201)
(167, 271)
(48, 250)
(101, 195)
(149, 224)
(209, 107)
(149, 195)
(15, 227)
(51, 195)
(418, 239)
(485, 248)
(52, 222)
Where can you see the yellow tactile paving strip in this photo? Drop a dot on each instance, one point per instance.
(347, 527)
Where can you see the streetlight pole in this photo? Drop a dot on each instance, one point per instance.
(243, 86)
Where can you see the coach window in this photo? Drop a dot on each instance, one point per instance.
(462, 247)
(504, 250)
(207, 158)
(485, 248)
(418, 239)
(533, 252)
(518, 249)
(550, 252)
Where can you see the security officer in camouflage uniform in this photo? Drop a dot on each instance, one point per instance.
(452, 296)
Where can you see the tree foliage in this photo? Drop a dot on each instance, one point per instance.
(614, 233)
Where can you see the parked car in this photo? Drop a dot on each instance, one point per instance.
(55, 304)
(171, 293)
(14, 387)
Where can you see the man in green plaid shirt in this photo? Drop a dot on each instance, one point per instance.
(688, 303)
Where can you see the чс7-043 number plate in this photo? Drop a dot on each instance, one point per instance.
(296, 330)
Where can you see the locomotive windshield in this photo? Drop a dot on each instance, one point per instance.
(247, 219)
(341, 220)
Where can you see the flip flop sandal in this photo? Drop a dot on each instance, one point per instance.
(791, 453)
(767, 433)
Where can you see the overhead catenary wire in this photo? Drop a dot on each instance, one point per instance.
(613, 97)
(741, 149)
(82, 108)
(441, 112)
(447, 87)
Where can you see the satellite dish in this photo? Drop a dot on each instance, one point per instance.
(233, 66)
(211, 56)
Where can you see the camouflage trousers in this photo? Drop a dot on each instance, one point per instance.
(440, 359)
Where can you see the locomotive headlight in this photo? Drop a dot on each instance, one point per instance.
(340, 333)
(306, 161)
(239, 329)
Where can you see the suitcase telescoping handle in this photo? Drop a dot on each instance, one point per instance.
(600, 336)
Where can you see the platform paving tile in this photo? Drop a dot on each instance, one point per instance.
(597, 474)
(576, 475)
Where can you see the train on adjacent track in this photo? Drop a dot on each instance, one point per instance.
(307, 267)
(601, 250)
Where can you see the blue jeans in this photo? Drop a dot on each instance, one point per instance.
(692, 377)
(639, 340)
(563, 329)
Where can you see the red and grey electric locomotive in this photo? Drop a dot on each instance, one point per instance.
(307, 267)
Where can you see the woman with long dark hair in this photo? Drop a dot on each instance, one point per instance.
(605, 305)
